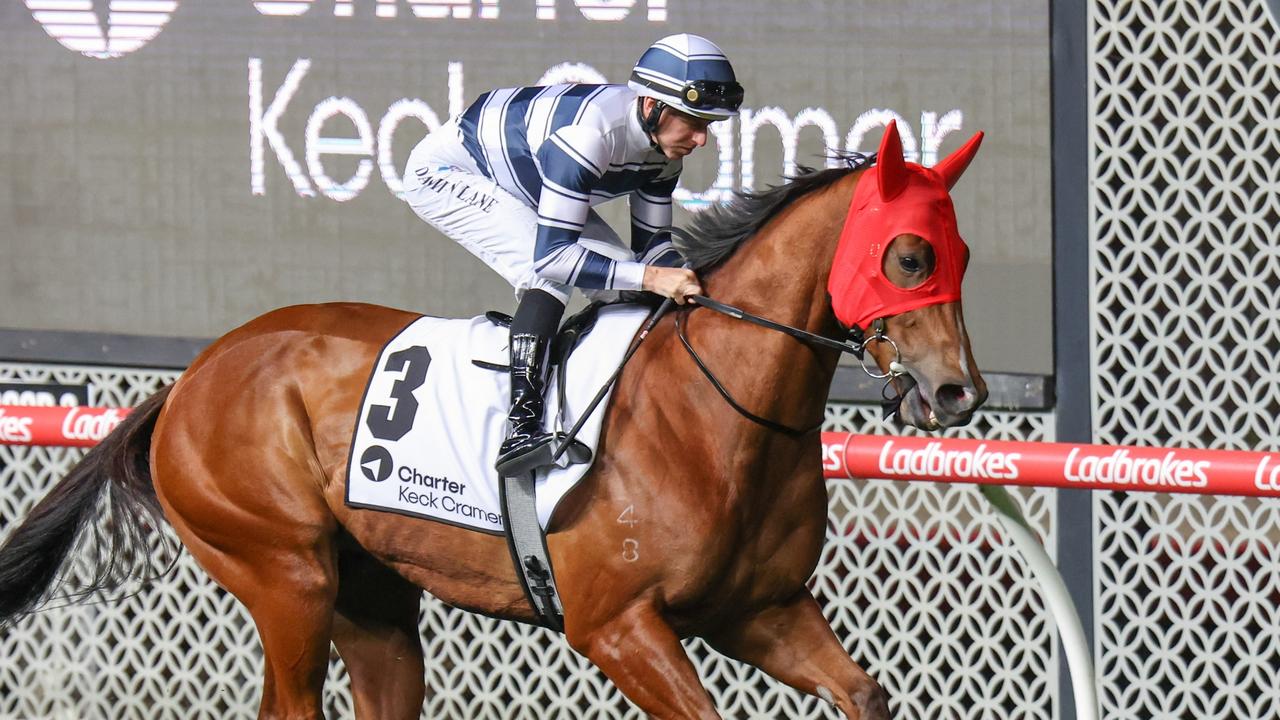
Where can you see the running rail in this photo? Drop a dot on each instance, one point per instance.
(988, 463)
(1059, 465)
(57, 426)
(892, 457)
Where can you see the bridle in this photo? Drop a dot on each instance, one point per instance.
(856, 344)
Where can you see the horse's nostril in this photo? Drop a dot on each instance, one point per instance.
(957, 399)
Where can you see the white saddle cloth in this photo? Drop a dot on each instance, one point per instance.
(431, 421)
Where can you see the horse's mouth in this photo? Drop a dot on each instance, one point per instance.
(914, 409)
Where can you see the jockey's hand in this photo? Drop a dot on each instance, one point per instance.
(675, 283)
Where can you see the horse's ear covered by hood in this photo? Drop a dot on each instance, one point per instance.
(892, 173)
(893, 198)
(953, 166)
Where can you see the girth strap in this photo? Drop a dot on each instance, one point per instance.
(528, 548)
(525, 538)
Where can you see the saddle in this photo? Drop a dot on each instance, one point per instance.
(433, 417)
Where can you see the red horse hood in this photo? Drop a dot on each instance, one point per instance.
(892, 198)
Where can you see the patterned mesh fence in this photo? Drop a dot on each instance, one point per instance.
(1185, 211)
(1185, 261)
(916, 579)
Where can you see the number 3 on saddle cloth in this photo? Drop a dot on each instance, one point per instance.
(435, 412)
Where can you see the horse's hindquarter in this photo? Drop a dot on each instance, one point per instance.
(255, 421)
(255, 439)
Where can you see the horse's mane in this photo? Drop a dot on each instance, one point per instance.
(716, 232)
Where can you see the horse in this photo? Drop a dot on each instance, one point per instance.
(694, 520)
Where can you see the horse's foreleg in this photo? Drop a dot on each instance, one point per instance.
(794, 643)
(375, 629)
(644, 659)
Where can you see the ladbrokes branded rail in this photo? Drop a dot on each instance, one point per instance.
(844, 455)
(1061, 465)
(57, 426)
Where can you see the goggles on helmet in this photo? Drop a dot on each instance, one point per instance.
(712, 95)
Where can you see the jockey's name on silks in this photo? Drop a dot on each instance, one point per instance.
(468, 195)
(431, 420)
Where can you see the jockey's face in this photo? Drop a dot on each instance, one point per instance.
(678, 134)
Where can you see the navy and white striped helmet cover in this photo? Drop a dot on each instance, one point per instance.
(676, 60)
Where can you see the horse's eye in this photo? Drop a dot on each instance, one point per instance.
(909, 263)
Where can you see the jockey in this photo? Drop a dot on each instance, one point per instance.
(513, 180)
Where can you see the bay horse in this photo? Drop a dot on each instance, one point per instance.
(693, 521)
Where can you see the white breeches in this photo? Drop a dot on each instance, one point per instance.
(444, 187)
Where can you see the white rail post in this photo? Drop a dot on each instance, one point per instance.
(1084, 683)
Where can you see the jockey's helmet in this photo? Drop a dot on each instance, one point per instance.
(689, 73)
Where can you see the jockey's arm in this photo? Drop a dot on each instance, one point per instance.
(664, 273)
(650, 213)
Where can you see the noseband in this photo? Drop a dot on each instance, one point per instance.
(856, 344)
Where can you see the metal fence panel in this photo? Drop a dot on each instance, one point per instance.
(1185, 262)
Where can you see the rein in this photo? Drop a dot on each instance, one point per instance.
(856, 345)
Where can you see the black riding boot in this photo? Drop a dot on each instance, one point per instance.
(527, 445)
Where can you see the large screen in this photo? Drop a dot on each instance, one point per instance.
(173, 167)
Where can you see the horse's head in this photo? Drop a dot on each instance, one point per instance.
(900, 260)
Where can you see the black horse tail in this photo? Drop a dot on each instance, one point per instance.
(31, 559)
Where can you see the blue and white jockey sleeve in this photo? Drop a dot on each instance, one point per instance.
(651, 212)
(563, 149)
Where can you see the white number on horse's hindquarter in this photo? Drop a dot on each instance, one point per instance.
(630, 546)
(628, 516)
(630, 550)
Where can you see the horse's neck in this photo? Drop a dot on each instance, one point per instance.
(781, 274)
